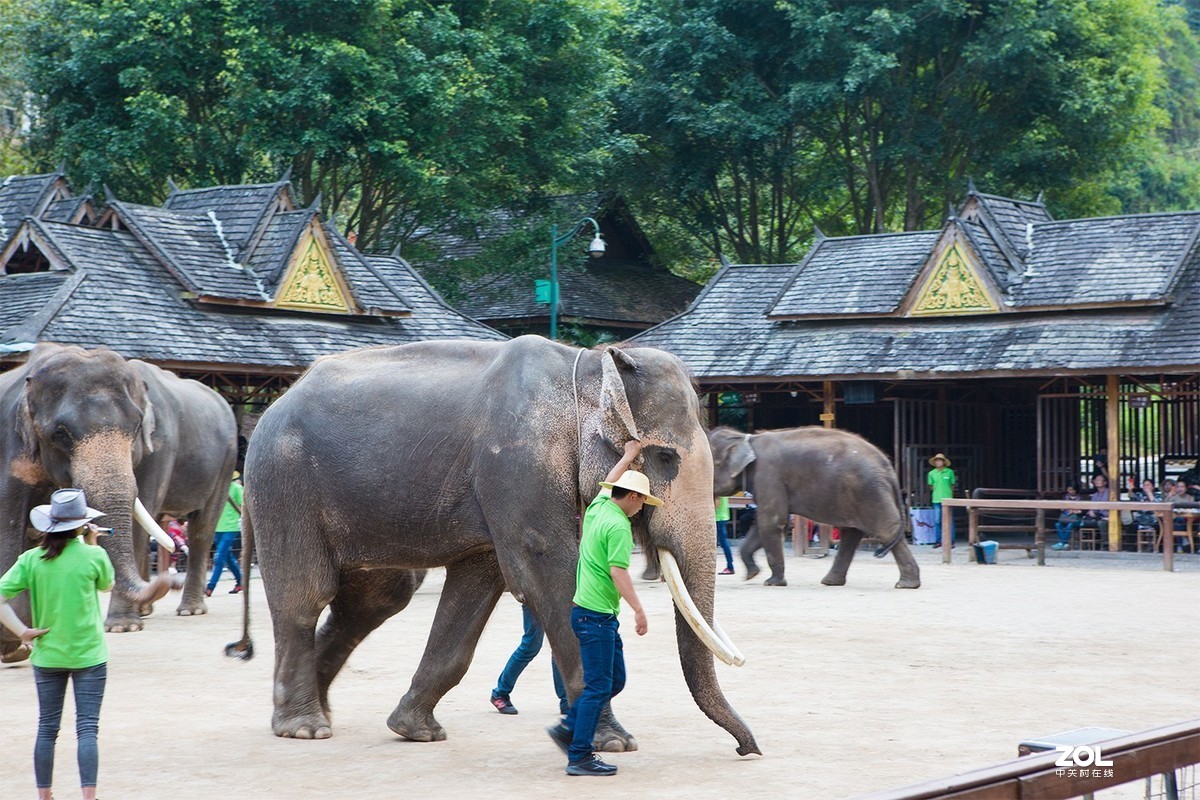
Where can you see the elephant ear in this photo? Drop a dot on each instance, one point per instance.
(25, 427)
(616, 417)
(148, 425)
(738, 454)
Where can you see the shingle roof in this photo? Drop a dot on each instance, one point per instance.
(240, 209)
(855, 275)
(371, 289)
(129, 301)
(725, 335)
(23, 296)
(1013, 218)
(20, 196)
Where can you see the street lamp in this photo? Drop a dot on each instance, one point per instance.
(596, 249)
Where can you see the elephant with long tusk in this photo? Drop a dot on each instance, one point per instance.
(137, 439)
(380, 463)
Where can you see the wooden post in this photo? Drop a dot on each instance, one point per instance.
(1112, 418)
(1167, 526)
(828, 416)
(1039, 536)
(947, 533)
(972, 533)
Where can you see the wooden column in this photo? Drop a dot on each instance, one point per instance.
(1113, 420)
(828, 415)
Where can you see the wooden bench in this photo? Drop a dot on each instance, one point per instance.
(1028, 519)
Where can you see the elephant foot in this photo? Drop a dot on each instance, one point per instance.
(834, 580)
(416, 726)
(610, 736)
(306, 726)
(650, 573)
(191, 609)
(908, 583)
(146, 609)
(751, 572)
(127, 622)
(19, 653)
(774, 581)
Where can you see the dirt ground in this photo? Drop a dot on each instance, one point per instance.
(848, 690)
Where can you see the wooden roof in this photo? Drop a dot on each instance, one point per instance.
(257, 284)
(1050, 298)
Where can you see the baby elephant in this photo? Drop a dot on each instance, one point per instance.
(830, 476)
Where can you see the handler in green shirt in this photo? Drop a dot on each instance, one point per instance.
(941, 483)
(601, 580)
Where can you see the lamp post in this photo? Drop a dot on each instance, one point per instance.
(596, 249)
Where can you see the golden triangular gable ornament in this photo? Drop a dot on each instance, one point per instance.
(953, 286)
(312, 284)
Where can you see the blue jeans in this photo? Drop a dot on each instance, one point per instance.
(530, 646)
(1063, 529)
(603, 658)
(937, 527)
(723, 541)
(225, 542)
(89, 694)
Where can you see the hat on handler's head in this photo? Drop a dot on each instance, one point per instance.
(634, 481)
(68, 510)
(942, 456)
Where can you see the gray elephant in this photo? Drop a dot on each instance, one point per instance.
(828, 475)
(137, 439)
(477, 457)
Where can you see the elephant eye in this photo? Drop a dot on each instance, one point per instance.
(62, 435)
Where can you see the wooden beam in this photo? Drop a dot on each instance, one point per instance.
(829, 415)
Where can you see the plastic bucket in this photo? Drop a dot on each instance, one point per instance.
(985, 552)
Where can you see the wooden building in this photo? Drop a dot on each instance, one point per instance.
(1017, 344)
(238, 286)
(622, 292)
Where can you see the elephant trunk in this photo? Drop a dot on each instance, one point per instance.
(695, 654)
(102, 466)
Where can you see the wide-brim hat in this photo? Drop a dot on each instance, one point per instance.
(634, 481)
(942, 456)
(67, 510)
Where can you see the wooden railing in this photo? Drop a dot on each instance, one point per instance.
(1164, 512)
(1138, 755)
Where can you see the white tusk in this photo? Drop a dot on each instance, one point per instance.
(687, 607)
(738, 658)
(151, 527)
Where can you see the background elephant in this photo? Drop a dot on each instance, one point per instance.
(119, 430)
(830, 476)
(475, 456)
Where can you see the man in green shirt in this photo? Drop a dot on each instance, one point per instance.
(601, 580)
(941, 481)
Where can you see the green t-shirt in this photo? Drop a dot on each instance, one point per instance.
(231, 518)
(63, 597)
(723, 509)
(942, 480)
(607, 542)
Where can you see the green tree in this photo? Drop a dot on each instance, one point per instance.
(410, 110)
(871, 116)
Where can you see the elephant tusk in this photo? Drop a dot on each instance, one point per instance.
(151, 527)
(720, 647)
(738, 658)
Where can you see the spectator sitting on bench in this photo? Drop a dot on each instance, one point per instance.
(1068, 521)
(1145, 519)
(1096, 518)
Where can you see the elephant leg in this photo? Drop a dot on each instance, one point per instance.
(364, 601)
(845, 554)
(124, 615)
(200, 539)
(750, 545)
(296, 601)
(772, 545)
(910, 573)
(473, 586)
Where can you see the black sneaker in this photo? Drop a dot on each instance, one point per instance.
(561, 735)
(592, 765)
(503, 704)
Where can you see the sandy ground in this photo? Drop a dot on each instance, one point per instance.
(848, 690)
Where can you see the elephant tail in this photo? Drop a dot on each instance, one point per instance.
(244, 648)
(902, 506)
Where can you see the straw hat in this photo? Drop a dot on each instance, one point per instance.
(942, 456)
(634, 481)
(68, 510)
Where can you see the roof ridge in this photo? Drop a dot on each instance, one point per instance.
(1141, 215)
(150, 243)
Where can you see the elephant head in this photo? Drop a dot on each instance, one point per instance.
(732, 454)
(648, 394)
(85, 420)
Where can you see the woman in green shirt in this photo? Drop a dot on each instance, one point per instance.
(63, 576)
